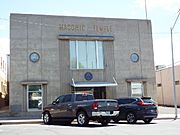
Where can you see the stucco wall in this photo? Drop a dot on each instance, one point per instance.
(164, 85)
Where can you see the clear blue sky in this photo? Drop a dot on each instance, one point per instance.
(162, 13)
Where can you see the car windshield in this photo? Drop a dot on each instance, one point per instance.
(126, 101)
(148, 101)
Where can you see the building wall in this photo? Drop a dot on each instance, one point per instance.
(3, 80)
(3, 75)
(40, 33)
(164, 86)
(134, 36)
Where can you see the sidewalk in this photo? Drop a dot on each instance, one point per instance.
(7, 119)
(164, 114)
(21, 121)
(12, 118)
(167, 113)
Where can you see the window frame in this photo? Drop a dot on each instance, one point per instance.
(133, 94)
(65, 98)
(27, 98)
(60, 99)
(97, 59)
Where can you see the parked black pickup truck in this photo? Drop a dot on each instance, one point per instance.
(82, 107)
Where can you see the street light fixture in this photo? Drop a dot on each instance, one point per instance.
(173, 71)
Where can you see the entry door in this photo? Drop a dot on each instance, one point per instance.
(34, 97)
(137, 89)
(99, 93)
(66, 107)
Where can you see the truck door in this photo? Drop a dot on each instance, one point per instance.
(66, 106)
(56, 111)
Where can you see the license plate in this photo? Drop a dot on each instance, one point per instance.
(107, 112)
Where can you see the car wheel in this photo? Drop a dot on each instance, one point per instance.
(131, 118)
(47, 118)
(82, 119)
(105, 122)
(148, 120)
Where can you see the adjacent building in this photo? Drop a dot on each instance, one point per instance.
(55, 55)
(164, 86)
(3, 79)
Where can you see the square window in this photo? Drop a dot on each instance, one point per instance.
(177, 82)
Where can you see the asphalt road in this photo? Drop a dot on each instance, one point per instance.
(165, 127)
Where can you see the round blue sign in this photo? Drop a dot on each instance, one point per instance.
(88, 76)
(134, 57)
(34, 57)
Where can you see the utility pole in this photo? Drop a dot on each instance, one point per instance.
(173, 70)
(145, 9)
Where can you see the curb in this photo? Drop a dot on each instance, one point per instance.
(13, 120)
(165, 118)
(33, 121)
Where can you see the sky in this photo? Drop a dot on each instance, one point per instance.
(162, 14)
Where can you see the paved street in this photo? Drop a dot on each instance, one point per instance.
(165, 127)
(164, 124)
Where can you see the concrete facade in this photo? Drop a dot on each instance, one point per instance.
(49, 36)
(164, 86)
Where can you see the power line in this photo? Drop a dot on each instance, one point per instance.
(4, 19)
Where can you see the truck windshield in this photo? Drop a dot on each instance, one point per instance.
(81, 97)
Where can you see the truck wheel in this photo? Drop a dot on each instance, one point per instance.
(105, 122)
(131, 118)
(47, 118)
(82, 119)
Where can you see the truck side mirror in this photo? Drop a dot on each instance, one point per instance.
(54, 102)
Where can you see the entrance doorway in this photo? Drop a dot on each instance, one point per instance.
(99, 93)
(34, 97)
(137, 89)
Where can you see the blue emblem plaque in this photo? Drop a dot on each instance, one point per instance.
(134, 57)
(88, 76)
